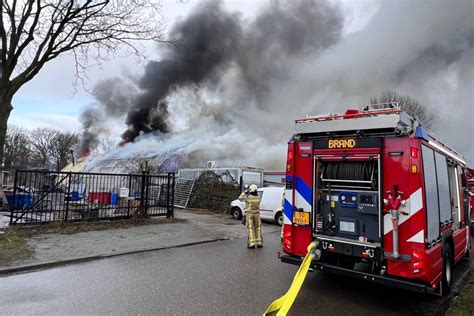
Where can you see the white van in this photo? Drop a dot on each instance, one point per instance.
(270, 205)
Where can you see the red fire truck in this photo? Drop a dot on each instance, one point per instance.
(373, 186)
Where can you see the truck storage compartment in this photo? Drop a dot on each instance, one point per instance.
(348, 200)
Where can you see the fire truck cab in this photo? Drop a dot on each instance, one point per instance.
(373, 186)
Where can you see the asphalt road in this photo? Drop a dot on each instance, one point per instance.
(220, 278)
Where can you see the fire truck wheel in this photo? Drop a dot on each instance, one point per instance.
(279, 218)
(447, 270)
(236, 213)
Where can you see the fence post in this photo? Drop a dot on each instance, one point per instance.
(172, 194)
(12, 207)
(147, 193)
(129, 194)
(142, 196)
(68, 195)
(168, 200)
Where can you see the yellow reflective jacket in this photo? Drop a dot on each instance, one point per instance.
(252, 203)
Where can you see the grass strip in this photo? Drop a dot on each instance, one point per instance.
(464, 304)
(13, 247)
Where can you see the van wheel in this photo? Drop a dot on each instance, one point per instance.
(236, 213)
(279, 218)
(447, 270)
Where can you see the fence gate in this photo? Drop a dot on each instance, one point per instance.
(44, 196)
(183, 190)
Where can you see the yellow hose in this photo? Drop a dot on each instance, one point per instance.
(284, 303)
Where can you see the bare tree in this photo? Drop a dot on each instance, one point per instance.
(64, 145)
(42, 142)
(107, 144)
(42, 147)
(140, 165)
(17, 149)
(423, 114)
(35, 32)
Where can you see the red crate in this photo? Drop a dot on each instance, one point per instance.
(100, 197)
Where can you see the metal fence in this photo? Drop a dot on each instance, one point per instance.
(44, 196)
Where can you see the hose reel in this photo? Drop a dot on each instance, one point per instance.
(359, 174)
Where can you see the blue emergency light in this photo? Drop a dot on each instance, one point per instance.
(421, 133)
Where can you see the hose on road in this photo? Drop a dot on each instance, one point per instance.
(284, 303)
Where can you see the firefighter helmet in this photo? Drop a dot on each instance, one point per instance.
(253, 188)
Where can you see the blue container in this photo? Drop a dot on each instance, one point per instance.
(75, 196)
(114, 199)
(21, 201)
(10, 199)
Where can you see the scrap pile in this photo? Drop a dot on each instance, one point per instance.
(211, 192)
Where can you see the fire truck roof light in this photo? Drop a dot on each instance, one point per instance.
(352, 111)
(421, 133)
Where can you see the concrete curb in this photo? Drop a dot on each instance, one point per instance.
(53, 264)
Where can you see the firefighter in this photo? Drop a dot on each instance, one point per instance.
(252, 216)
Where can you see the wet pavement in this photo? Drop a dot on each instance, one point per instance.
(219, 278)
(192, 227)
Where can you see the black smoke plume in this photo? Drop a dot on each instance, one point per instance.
(92, 123)
(208, 42)
(204, 43)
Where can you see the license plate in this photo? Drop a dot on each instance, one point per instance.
(301, 218)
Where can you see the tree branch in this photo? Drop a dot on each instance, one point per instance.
(30, 33)
(49, 28)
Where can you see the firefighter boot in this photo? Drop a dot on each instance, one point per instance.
(258, 231)
(251, 231)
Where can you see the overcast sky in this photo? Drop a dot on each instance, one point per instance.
(50, 99)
